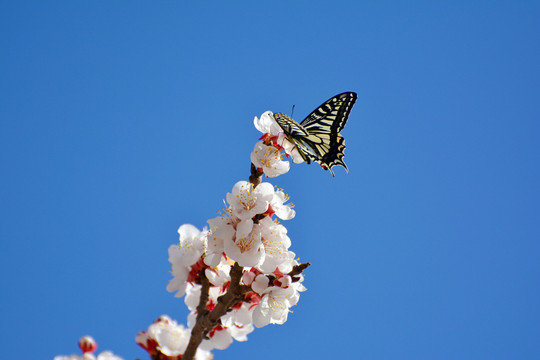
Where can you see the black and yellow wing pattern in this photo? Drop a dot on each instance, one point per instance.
(317, 137)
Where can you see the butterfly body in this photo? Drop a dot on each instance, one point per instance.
(318, 136)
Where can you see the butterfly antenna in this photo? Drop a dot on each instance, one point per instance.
(292, 111)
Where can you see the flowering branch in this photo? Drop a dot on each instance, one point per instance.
(205, 320)
(208, 320)
(238, 274)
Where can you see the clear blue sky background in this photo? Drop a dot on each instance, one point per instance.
(120, 121)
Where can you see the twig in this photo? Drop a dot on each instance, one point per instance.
(256, 176)
(198, 331)
(297, 269)
(206, 321)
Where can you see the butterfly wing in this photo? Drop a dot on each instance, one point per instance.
(317, 138)
(323, 126)
(295, 133)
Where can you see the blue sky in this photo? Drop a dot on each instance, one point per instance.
(120, 121)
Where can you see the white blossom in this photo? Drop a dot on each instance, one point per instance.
(219, 338)
(274, 306)
(267, 124)
(239, 332)
(171, 337)
(222, 228)
(183, 255)
(246, 248)
(282, 210)
(239, 316)
(246, 202)
(220, 274)
(276, 244)
(167, 337)
(283, 282)
(260, 284)
(192, 244)
(203, 355)
(193, 295)
(248, 277)
(269, 159)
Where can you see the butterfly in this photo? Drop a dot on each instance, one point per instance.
(317, 137)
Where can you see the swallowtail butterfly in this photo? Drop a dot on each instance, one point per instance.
(317, 137)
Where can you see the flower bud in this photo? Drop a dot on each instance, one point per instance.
(87, 344)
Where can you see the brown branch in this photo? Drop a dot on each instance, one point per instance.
(197, 333)
(201, 308)
(297, 269)
(206, 321)
(256, 175)
(231, 297)
(258, 218)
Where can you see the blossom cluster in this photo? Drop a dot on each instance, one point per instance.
(248, 234)
(238, 272)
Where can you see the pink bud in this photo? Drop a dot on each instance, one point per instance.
(283, 282)
(87, 344)
(147, 343)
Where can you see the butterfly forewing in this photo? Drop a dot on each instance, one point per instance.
(333, 113)
(317, 137)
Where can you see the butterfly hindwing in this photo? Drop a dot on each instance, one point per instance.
(317, 136)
